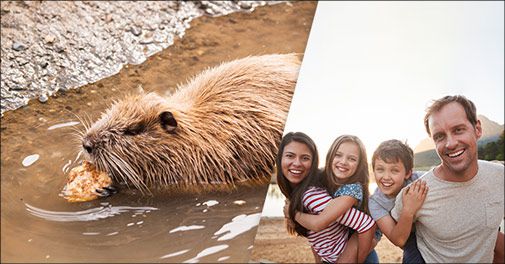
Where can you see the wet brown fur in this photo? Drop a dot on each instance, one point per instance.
(230, 120)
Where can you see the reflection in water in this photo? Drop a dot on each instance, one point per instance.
(186, 228)
(211, 203)
(29, 160)
(239, 224)
(274, 202)
(206, 252)
(174, 254)
(72, 123)
(86, 215)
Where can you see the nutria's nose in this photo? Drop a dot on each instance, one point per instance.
(86, 144)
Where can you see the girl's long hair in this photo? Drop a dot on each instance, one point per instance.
(360, 176)
(295, 193)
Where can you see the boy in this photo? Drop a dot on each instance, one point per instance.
(392, 164)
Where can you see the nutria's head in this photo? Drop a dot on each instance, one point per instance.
(127, 140)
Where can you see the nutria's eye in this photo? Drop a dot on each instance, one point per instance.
(168, 121)
(134, 130)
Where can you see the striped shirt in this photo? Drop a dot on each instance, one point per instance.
(331, 241)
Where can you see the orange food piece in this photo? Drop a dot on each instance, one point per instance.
(83, 181)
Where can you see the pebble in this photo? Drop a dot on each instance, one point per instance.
(21, 61)
(50, 39)
(59, 48)
(18, 46)
(43, 64)
(43, 98)
(146, 41)
(136, 31)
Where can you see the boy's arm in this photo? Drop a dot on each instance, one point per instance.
(397, 233)
(413, 198)
(331, 213)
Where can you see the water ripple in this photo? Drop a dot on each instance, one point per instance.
(86, 215)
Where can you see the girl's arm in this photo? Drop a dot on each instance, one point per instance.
(413, 198)
(350, 251)
(364, 226)
(331, 213)
(365, 243)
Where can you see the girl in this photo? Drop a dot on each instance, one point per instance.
(298, 180)
(346, 177)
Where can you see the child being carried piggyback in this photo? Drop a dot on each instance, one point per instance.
(346, 177)
(392, 164)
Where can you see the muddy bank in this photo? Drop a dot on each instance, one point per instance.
(49, 46)
(44, 130)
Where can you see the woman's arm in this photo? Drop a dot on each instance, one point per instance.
(399, 232)
(331, 213)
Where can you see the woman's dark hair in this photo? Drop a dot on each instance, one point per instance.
(294, 193)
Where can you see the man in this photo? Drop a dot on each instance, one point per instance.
(459, 220)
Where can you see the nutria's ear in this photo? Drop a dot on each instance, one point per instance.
(168, 121)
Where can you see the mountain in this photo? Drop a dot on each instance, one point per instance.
(426, 157)
(491, 130)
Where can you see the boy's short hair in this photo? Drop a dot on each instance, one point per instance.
(393, 151)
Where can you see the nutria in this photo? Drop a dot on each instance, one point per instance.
(222, 127)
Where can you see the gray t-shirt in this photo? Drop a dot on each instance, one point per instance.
(380, 205)
(459, 221)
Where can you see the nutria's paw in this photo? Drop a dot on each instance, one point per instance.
(106, 191)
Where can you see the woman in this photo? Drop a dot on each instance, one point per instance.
(297, 177)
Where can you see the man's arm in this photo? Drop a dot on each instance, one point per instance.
(499, 255)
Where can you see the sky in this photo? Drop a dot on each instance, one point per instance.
(371, 68)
